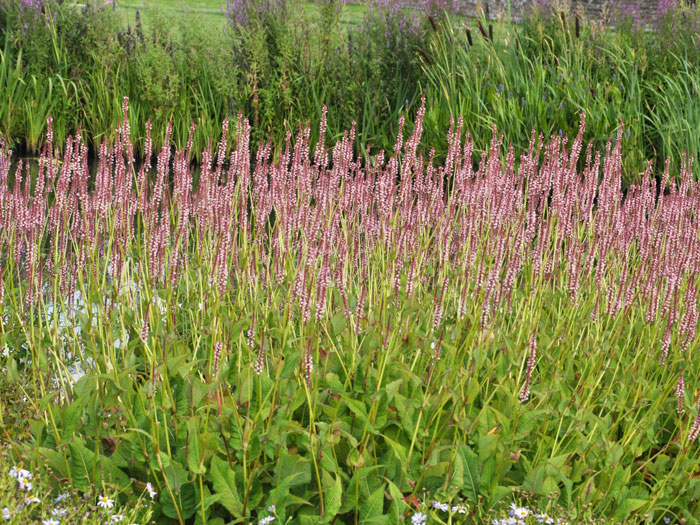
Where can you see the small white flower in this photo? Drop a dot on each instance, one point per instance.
(271, 508)
(266, 520)
(50, 521)
(544, 518)
(667, 520)
(7, 513)
(24, 483)
(419, 518)
(59, 512)
(151, 492)
(116, 518)
(518, 512)
(32, 499)
(459, 509)
(105, 502)
(18, 473)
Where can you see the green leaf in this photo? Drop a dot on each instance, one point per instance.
(307, 517)
(628, 506)
(471, 472)
(175, 474)
(195, 453)
(279, 496)
(112, 473)
(13, 375)
(338, 323)
(224, 480)
(397, 505)
(393, 388)
(372, 508)
(487, 475)
(185, 499)
(81, 463)
(333, 500)
(398, 449)
(295, 467)
(358, 408)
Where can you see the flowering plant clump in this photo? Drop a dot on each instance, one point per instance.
(241, 13)
(296, 329)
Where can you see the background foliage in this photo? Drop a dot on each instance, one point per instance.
(368, 67)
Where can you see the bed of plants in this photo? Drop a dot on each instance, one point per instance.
(444, 273)
(346, 341)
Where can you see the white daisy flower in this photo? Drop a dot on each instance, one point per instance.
(50, 521)
(32, 499)
(151, 492)
(266, 520)
(7, 513)
(419, 518)
(59, 512)
(459, 509)
(24, 483)
(544, 518)
(105, 502)
(116, 518)
(518, 512)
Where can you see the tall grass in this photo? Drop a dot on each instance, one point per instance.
(348, 341)
(538, 78)
(280, 70)
(674, 115)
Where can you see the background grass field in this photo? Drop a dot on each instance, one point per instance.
(208, 11)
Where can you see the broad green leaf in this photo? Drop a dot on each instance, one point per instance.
(628, 506)
(471, 473)
(81, 463)
(333, 499)
(358, 408)
(372, 508)
(112, 473)
(185, 499)
(195, 453)
(397, 504)
(398, 449)
(224, 480)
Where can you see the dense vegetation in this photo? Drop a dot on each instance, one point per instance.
(279, 61)
(413, 308)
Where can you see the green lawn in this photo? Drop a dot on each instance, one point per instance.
(208, 12)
